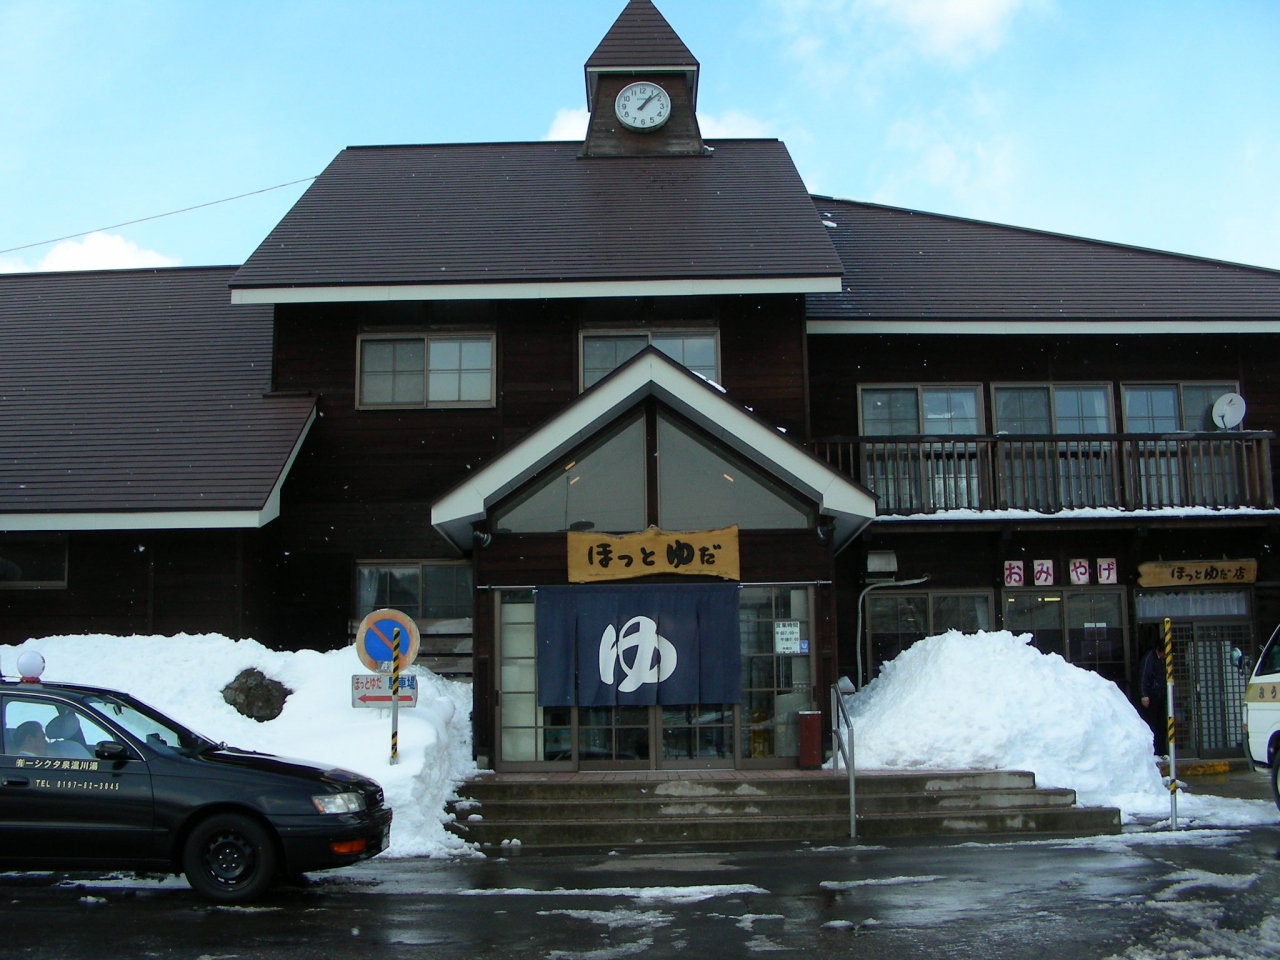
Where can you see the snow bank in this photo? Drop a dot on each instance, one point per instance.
(183, 676)
(993, 701)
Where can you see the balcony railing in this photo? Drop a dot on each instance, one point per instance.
(1052, 473)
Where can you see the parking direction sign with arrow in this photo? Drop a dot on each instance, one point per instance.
(374, 690)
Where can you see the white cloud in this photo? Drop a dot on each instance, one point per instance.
(731, 124)
(569, 124)
(950, 29)
(97, 251)
(833, 38)
(977, 173)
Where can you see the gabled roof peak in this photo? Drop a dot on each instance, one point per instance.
(641, 39)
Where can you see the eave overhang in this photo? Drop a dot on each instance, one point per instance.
(190, 519)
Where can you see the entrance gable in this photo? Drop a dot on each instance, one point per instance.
(847, 505)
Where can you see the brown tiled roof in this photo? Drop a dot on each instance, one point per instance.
(640, 37)
(538, 212)
(903, 263)
(137, 390)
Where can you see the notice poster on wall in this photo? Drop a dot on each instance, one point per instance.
(600, 556)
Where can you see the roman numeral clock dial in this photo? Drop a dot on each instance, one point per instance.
(642, 106)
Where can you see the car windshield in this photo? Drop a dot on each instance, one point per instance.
(150, 726)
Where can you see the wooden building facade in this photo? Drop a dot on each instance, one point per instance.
(447, 361)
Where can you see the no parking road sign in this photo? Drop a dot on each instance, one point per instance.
(375, 636)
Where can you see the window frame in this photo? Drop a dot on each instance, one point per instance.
(868, 645)
(920, 388)
(423, 622)
(1180, 385)
(1065, 594)
(458, 336)
(56, 538)
(1052, 386)
(649, 333)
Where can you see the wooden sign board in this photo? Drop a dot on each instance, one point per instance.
(599, 556)
(1196, 573)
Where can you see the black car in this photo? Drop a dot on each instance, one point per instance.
(94, 779)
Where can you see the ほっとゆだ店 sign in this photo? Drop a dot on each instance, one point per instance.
(1182, 573)
(596, 556)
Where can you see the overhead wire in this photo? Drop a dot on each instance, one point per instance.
(129, 223)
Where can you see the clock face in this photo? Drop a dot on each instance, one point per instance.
(642, 106)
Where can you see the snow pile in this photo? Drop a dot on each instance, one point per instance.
(993, 701)
(183, 676)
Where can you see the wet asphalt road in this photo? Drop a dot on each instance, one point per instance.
(1137, 896)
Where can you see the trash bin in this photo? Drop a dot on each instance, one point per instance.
(810, 735)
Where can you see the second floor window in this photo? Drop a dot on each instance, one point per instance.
(1052, 408)
(1171, 407)
(602, 353)
(426, 371)
(916, 410)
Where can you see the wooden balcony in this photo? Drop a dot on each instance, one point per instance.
(1052, 473)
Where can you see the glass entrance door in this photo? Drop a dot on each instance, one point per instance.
(776, 672)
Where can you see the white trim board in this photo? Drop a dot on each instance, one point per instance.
(161, 519)
(653, 374)
(1051, 327)
(551, 290)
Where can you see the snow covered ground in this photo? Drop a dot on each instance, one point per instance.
(993, 701)
(183, 676)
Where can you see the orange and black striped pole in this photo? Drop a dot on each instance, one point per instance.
(1168, 698)
(395, 695)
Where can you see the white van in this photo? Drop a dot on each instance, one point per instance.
(1262, 714)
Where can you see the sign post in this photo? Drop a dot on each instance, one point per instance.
(387, 642)
(1172, 779)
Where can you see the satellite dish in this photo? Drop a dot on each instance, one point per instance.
(1228, 410)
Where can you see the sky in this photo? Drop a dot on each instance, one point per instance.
(1148, 122)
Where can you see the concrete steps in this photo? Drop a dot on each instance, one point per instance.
(581, 810)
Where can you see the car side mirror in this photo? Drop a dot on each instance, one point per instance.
(110, 750)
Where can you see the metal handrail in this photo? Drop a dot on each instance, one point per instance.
(842, 745)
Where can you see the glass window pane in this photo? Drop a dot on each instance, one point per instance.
(403, 589)
(367, 597)
(1197, 404)
(967, 613)
(1039, 614)
(378, 356)
(443, 387)
(407, 388)
(895, 623)
(1095, 633)
(476, 354)
(890, 412)
(700, 488)
(603, 488)
(1081, 410)
(474, 386)
(446, 590)
(377, 388)
(408, 356)
(1022, 410)
(1151, 409)
(603, 354)
(445, 355)
(951, 410)
(700, 351)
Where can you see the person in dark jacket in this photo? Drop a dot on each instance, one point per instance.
(1152, 691)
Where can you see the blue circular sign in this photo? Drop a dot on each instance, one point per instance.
(376, 634)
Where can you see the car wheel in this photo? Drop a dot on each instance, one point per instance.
(230, 858)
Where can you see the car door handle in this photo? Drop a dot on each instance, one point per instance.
(16, 781)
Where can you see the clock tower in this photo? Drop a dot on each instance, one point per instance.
(642, 89)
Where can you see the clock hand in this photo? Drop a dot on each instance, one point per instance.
(646, 103)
